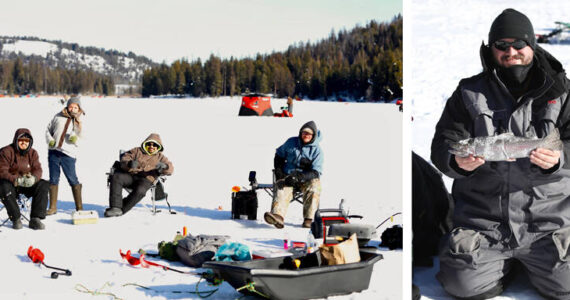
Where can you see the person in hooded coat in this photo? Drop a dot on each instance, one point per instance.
(21, 173)
(516, 212)
(298, 164)
(140, 167)
(63, 135)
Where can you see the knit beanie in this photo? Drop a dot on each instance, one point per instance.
(512, 24)
(76, 100)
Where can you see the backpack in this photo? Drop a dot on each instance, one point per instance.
(193, 251)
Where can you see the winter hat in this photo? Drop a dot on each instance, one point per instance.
(76, 100)
(512, 24)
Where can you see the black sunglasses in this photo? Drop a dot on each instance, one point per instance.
(517, 44)
(151, 144)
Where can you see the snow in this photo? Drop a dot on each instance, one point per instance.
(94, 62)
(38, 48)
(212, 150)
(445, 41)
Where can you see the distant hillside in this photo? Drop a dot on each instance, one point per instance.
(45, 66)
(364, 63)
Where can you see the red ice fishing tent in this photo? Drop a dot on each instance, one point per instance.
(255, 105)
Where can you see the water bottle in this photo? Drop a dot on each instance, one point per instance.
(311, 243)
(286, 241)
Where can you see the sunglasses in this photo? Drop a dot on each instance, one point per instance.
(24, 140)
(306, 133)
(151, 144)
(517, 44)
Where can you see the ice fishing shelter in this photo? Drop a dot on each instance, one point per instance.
(255, 105)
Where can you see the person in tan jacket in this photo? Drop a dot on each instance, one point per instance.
(140, 167)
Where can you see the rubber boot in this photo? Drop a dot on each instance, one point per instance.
(52, 199)
(76, 190)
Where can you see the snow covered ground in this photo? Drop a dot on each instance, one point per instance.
(445, 41)
(212, 150)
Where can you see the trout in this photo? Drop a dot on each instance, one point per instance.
(504, 147)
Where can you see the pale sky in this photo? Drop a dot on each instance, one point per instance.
(172, 29)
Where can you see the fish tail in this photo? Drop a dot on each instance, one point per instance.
(552, 141)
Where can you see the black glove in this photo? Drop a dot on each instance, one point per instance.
(133, 164)
(294, 179)
(160, 167)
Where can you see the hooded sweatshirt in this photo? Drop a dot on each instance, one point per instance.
(146, 161)
(294, 151)
(15, 163)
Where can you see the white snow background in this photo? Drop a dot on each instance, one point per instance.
(212, 149)
(445, 41)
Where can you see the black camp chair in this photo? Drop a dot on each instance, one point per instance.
(24, 205)
(157, 192)
(271, 188)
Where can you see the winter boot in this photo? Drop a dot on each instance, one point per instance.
(307, 223)
(36, 224)
(52, 199)
(274, 219)
(76, 190)
(113, 212)
(17, 224)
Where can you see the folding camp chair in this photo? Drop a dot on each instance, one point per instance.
(271, 189)
(157, 192)
(24, 205)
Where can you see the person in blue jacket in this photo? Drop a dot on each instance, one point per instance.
(298, 166)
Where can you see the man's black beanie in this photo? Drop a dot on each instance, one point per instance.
(512, 24)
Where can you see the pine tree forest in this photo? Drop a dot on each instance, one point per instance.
(364, 63)
(17, 77)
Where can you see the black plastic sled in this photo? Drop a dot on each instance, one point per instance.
(274, 282)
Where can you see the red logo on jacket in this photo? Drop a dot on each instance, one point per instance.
(553, 101)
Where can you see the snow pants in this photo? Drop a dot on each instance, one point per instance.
(311, 194)
(473, 266)
(138, 186)
(38, 192)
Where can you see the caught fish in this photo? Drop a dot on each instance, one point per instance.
(504, 146)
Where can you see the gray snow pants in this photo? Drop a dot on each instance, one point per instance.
(471, 266)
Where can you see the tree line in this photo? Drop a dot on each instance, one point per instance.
(363, 63)
(32, 77)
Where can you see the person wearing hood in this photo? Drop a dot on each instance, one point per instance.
(514, 211)
(140, 168)
(21, 173)
(298, 164)
(63, 135)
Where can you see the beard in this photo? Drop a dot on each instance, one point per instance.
(516, 74)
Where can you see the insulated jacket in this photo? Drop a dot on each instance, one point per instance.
(60, 129)
(513, 202)
(297, 155)
(14, 163)
(146, 162)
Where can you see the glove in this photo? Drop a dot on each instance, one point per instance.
(73, 139)
(160, 167)
(133, 164)
(51, 143)
(294, 179)
(26, 181)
